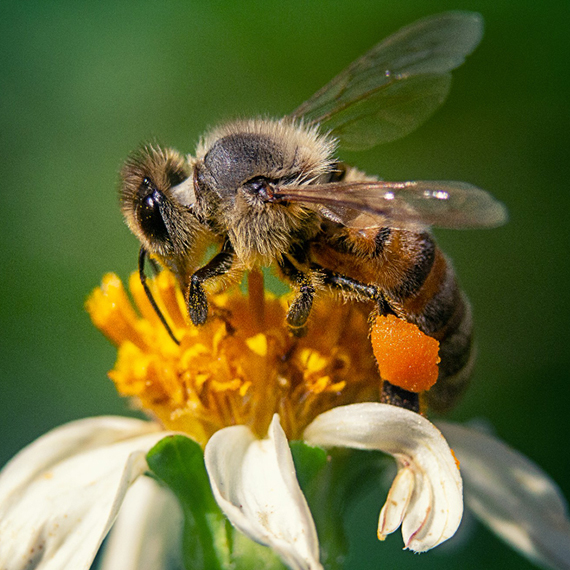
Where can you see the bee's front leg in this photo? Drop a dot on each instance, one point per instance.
(196, 300)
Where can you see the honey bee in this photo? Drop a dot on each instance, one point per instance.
(273, 192)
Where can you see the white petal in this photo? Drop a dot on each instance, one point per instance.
(513, 496)
(60, 495)
(148, 532)
(393, 511)
(256, 487)
(434, 493)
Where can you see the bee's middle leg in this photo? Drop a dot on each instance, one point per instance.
(302, 304)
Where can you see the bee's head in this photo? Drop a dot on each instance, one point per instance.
(157, 197)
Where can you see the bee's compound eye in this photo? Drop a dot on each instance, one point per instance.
(150, 216)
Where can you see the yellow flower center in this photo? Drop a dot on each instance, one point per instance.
(242, 366)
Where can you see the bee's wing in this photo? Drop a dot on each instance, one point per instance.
(397, 85)
(400, 204)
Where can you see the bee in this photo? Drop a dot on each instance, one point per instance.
(273, 192)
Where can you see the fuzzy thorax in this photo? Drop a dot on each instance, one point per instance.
(235, 163)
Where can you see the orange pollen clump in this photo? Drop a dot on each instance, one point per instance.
(242, 366)
(406, 356)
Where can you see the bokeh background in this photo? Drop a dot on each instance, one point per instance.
(82, 84)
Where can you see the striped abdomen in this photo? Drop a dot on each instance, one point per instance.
(419, 285)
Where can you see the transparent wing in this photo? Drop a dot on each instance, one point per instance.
(397, 85)
(444, 204)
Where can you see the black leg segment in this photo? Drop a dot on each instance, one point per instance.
(397, 396)
(302, 304)
(197, 301)
(349, 285)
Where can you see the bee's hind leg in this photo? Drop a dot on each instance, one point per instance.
(396, 396)
(353, 288)
(391, 394)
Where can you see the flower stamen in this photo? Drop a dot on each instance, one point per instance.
(242, 366)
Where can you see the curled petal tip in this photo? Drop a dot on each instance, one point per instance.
(394, 508)
(426, 498)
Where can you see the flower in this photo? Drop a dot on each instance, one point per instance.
(513, 496)
(59, 496)
(241, 387)
(241, 367)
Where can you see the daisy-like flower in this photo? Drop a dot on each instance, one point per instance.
(242, 388)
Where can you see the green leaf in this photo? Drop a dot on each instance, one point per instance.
(178, 462)
(248, 555)
(309, 462)
(333, 481)
(210, 542)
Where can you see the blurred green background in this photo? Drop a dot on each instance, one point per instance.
(82, 84)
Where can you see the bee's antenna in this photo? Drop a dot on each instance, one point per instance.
(142, 276)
